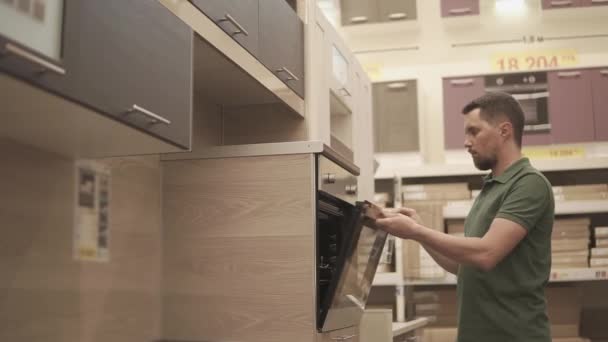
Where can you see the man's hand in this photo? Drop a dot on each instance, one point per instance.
(399, 224)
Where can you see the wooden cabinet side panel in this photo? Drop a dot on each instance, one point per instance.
(239, 249)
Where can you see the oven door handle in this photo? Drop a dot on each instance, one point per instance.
(531, 96)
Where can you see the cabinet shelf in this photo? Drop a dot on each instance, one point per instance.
(460, 209)
(557, 276)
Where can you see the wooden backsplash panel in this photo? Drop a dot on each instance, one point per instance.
(45, 295)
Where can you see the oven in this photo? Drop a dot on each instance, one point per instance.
(530, 89)
(347, 250)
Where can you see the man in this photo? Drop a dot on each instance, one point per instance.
(504, 260)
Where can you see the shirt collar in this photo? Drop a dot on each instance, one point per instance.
(511, 171)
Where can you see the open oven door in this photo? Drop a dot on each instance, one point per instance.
(343, 296)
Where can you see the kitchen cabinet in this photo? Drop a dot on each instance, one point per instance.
(570, 106)
(52, 73)
(342, 81)
(552, 4)
(457, 93)
(369, 11)
(135, 65)
(359, 12)
(396, 116)
(588, 3)
(238, 18)
(281, 47)
(599, 85)
(392, 10)
(455, 8)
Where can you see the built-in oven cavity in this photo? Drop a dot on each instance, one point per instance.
(530, 89)
(332, 228)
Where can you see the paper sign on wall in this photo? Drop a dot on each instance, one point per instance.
(534, 60)
(92, 216)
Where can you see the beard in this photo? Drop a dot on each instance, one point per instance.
(484, 164)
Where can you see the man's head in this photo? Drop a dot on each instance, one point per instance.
(492, 122)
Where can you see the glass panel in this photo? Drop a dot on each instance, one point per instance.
(339, 66)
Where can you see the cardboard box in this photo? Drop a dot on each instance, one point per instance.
(417, 263)
(598, 262)
(586, 188)
(563, 245)
(447, 334)
(601, 232)
(599, 252)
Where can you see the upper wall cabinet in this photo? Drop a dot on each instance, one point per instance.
(599, 83)
(595, 3)
(396, 116)
(135, 64)
(371, 11)
(238, 18)
(282, 43)
(39, 50)
(553, 4)
(457, 93)
(392, 10)
(455, 8)
(130, 61)
(570, 106)
(550, 4)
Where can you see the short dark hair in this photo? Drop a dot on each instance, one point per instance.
(495, 105)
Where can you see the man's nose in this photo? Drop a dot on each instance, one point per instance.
(467, 143)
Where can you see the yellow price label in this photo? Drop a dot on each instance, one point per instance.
(534, 60)
(554, 152)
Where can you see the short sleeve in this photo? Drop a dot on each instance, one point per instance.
(527, 201)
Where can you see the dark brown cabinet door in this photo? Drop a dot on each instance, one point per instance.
(570, 106)
(552, 4)
(135, 65)
(455, 8)
(393, 10)
(396, 116)
(57, 76)
(282, 43)
(599, 85)
(359, 11)
(238, 18)
(457, 93)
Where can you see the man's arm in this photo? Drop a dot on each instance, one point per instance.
(483, 253)
(446, 263)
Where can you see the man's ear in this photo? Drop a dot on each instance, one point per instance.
(505, 128)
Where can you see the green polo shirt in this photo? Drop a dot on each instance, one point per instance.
(508, 303)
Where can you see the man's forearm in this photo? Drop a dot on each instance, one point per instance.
(443, 261)
(459, 250)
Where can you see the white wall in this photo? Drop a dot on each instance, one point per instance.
(434, 57)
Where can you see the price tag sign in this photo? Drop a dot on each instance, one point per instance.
(554, 152)
(534, 60)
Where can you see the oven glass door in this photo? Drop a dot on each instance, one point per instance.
(346, 296)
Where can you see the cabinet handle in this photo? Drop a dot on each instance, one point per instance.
(599, 1)
(397, 16)
(397, 85)
(154, 119)
(19, 52)
(291, 76)
(460, 10)
(239, 27)
(568, 74)
(604, 72)
(358, 20)
(464, 81)
(343, 338)
(561, 3)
